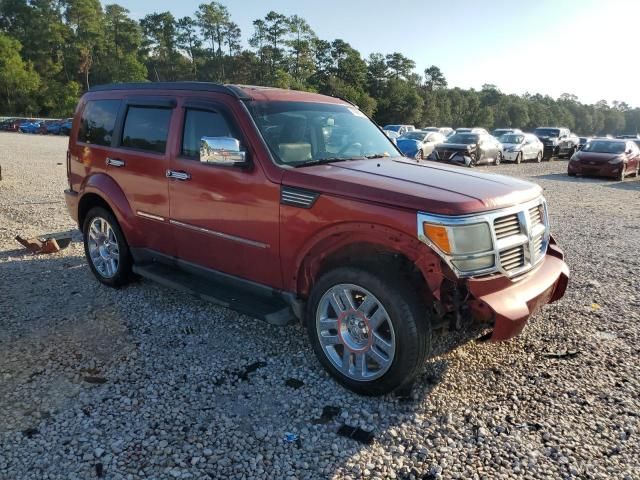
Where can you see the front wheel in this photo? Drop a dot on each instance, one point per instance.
(369, 330)
(519, 158)
(539, 157)
(623, 173)
(498, 158)
(106, 249)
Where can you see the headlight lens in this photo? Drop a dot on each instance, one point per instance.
(473, 264)
(459, 239)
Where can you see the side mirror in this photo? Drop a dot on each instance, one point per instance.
(224, 151)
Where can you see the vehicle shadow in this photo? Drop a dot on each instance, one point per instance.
(563, 177)
(627, 185)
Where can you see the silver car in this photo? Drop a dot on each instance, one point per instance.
(521, 146)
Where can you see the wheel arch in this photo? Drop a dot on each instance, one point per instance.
(364, 245)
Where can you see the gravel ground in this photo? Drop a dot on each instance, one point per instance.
(144, 382)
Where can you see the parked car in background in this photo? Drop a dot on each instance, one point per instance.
(519, 147)
(29, 126)
(243, 195)
(393, 136)
(582, 141)
(498, 132)
(468, 149)
(399, 129)
(472, 130)
(10, 125)
(637, 142)
(65, 126)
(604, 157)
(446, 131)
(630, 136)
(419, 144)
(53, 127)
(557, 141)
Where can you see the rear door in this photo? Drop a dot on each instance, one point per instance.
(138, 162)
(224, 218)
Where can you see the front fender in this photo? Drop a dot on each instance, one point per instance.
(363, 237)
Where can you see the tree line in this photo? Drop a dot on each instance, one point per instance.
(53, 50)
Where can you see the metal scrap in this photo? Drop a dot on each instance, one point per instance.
(44, 245)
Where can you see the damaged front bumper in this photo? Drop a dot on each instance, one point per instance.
(508, 304)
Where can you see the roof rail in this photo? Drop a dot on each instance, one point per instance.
(197, 86)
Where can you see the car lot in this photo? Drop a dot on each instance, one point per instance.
(153, 383)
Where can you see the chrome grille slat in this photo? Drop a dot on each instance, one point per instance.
(513, 258)
(506, 226)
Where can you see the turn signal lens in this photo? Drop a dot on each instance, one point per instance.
(438, 235)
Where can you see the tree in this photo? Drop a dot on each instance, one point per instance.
(118, 56)
(84, 17)
(434, 78)
(399, 65)
(188, 41)
(18, 80)
(213, 19)
(300, 42)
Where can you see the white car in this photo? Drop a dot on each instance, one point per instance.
(521, 146)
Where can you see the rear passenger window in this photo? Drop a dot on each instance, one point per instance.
(198, 124)
(146, 128)
(97, 122)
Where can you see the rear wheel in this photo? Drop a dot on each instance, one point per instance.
(420, 155)
(106, 249)
(368, 329)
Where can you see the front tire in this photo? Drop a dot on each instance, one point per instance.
(539, 157)
(519, 158)
(106, 248)
(498, 159)
(369, 329)
(623, 173)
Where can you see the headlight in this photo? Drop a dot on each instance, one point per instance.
(469, 246)
(618, 159)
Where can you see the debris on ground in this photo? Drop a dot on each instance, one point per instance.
(95, 380)
(45, 245)
(294, 383)
(30, 432)
(99, 470)
(356, 433)
(290, 437)
(329, 412)
(244, 373)
(562, 354)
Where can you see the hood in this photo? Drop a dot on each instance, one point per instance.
(508, 146)
(596, 157)
(405, 183)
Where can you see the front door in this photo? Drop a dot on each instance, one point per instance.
(224, 218)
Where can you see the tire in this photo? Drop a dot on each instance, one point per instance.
(519, 158)
(623, 173)
(498, 159)
(539, 157)
(106, 249)
(402, 324)
(571, 174)
(420, 155)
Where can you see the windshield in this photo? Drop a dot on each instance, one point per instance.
(497, 133)
(304, 132)
(393, 128)
(511, 138)
(465, 138)
(547, 132)
(604, 146)
(413, 136)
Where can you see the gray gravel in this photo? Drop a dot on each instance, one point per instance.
(145, 382)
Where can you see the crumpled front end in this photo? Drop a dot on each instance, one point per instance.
(508, 304)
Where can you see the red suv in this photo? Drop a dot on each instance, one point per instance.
(286, 204)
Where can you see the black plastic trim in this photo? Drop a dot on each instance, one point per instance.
(188, 86)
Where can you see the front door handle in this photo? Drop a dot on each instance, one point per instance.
(178, 175)
(115, 162)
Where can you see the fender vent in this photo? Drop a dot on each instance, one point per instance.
(297, 197)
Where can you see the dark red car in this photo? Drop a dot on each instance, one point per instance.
(606, 157)
(286, 204)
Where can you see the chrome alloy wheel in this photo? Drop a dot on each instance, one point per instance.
(103, 247)
(355, 332)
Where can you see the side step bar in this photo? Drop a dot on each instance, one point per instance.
(271, 309)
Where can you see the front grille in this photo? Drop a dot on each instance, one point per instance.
(538, 246)
(535, 216)
(512, 259)
(507, 226)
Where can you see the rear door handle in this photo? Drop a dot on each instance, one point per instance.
(178, 175)
(115, 162)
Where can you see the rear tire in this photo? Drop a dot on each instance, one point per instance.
(368, 328)
(106, 249)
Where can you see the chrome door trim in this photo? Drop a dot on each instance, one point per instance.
(226, 236)
(178, 175)
(114, 162)
(150, 216)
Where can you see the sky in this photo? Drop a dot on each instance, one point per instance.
(584, 47)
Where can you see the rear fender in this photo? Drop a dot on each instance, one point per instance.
(108, 190)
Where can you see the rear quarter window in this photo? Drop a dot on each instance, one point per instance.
(146, 128)
(98, 121)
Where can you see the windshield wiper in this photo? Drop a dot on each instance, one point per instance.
(322, 161)
(377, 155)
